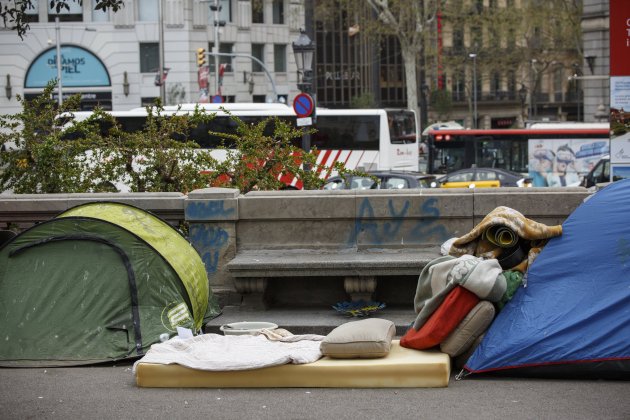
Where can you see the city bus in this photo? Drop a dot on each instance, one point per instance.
(551, 154)
(362, 139)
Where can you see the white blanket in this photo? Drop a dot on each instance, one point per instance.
(232, 352)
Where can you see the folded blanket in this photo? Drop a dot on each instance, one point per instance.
(216, 352)
(499, 233)
(483, 277)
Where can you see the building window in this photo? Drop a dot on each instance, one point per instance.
(148, 101)
(278, 12)
(459, 87)
(226, 10)
(99, 15)
(225, 48)
(225, 14)
(31, 14)
(511, 81)
(458, 40)
(258, 15)
(148, 10)
(479, 6)
(511, 39)
(149, 57)
(258, 51)
(495, 85)
(74, 12)
(476, 35)
(280, 58)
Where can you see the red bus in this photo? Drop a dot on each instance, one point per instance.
(551, 154)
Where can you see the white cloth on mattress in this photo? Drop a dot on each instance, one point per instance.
(231, 352)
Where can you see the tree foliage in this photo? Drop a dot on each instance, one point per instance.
(530, 40)
(406, 20)
(44, 155)
(14, 13)
(37, 159)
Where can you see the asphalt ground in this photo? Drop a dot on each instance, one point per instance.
(109, 392)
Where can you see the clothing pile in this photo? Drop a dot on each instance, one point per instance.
(459, 294)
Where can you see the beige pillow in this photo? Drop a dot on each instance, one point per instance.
(366, 339)
(472, 326)
(461, 360)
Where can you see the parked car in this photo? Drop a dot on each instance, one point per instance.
(600, 173)
(385, 180)
(483, 178)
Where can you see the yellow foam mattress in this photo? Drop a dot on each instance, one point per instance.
(401, 368)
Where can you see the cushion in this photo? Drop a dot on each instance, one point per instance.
(472, 326)
(455, 306)
(461, 360)
(367, 339)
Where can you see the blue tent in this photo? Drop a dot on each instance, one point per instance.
(573, 318)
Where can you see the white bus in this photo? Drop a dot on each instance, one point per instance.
(363, 139)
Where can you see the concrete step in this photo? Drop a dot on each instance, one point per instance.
(307, 321)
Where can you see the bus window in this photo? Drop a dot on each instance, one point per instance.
(342, 132)
(357, 136)
(511, 149)
(402, 126)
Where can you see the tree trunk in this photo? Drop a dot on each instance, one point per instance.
(410, 54)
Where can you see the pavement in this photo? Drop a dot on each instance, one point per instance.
(108, 391)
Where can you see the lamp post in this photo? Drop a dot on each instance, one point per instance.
(58, 59)
(304, 50)
(58, 42)
(161, 51)
(474, 59)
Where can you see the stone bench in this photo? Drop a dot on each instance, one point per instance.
(360, 269)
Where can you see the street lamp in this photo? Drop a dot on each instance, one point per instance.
(304, 49)
(474, 59)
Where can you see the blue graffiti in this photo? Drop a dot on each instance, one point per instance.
(209, 241)
(201, 210)
(378, 233)
(211, 261)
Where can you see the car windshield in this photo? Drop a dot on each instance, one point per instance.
(362, 183)
(395, 183)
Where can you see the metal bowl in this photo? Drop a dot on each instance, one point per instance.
(246, 327)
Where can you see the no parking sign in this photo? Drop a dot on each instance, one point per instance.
(303, 105)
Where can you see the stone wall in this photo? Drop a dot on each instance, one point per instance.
(222, 222)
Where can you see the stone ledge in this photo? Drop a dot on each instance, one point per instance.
(360, 269)
(371, 262)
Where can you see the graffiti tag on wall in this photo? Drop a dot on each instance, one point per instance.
(404, 224)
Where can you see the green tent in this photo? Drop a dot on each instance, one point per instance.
(100, 282)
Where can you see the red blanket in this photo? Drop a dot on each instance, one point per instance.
(443, 321)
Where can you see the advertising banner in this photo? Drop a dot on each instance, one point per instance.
(79, 68)
(563, 163)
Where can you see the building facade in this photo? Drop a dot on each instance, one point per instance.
(112, 59)
(596, 66)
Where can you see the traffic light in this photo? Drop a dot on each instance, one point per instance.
(201, 57)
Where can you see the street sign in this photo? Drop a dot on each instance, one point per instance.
(303, 122)
(303, 105)
(217, 99)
